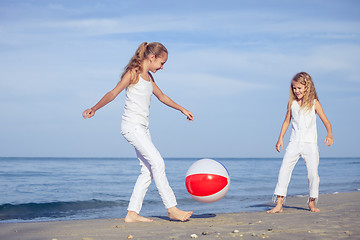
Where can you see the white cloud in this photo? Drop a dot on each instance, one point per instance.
(207, 85)
(128, 24)
(325, 57)
(345, 57)
(231, 22)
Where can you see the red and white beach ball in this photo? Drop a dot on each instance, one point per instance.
(207, 180)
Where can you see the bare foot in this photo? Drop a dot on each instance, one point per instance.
(312, 206)
(279, 205)
(134, 217)
(177, 214)
(277, 209)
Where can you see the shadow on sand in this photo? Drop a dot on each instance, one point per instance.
(205, 215)
(270, 206)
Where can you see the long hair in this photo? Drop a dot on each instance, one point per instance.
(144, 50)
(310, 92)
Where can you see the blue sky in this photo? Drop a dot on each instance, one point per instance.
(230, 63)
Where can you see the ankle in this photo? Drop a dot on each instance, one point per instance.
(279, 201)
(172, 209)
(312, 200)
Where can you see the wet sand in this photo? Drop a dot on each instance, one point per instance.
(339, 219)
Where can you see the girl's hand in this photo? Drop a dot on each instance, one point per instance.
(188, 114)
(279, 145)
(329, 141)
(88, 113)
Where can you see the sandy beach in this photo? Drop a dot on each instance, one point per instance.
(339, 219)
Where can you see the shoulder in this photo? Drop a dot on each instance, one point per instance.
(318, 107)
(132, 75)
(293, 104)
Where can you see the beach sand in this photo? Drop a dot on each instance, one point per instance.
(339, 219)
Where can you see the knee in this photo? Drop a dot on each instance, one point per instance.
(156, 162)
(313, 175)
(146, 175)
(158, 166)
(145, 172)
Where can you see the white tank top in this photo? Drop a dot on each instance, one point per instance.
(137, 102)
(303, 124)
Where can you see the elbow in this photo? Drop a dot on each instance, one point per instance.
(111, 95)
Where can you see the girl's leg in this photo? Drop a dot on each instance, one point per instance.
(157, 167)
(311, 158)
(140, 138)
(141, 186)
(148, 154)
(290, 159)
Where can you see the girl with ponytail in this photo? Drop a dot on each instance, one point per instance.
(140, 86)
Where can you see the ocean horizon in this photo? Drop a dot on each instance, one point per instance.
(55, 188)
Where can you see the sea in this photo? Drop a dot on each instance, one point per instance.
(60, 189)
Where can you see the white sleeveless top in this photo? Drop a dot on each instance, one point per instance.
(303, 124)
(137, 102)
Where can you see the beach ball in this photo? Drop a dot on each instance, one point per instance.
(207, 180)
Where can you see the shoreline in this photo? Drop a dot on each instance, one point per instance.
(339, 219)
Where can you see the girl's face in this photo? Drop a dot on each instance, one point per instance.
(298, 90)
(157, 63)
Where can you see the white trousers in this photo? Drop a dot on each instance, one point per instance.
(152, 167)
(310, 153)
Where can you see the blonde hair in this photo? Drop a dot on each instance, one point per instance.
(144, 50)
(310, 92)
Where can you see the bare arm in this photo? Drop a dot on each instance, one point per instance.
(319, 110)
(283, 130)
(108, 97)
(169, 102)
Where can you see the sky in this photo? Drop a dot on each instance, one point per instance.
(230, 63)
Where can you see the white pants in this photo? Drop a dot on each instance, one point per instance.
(152, 167)
(310, 153)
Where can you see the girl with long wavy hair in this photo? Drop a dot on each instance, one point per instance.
(303, 105)
(140, 86)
